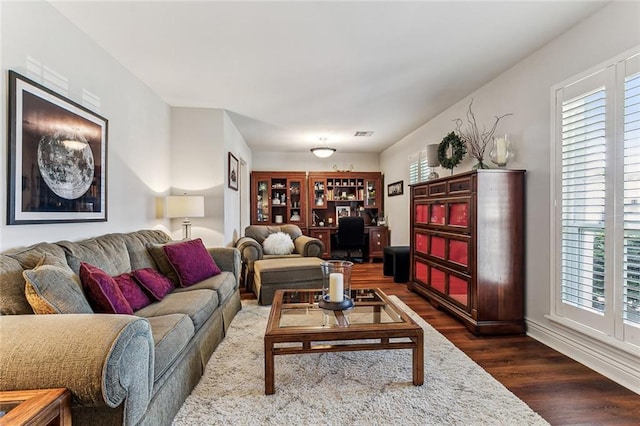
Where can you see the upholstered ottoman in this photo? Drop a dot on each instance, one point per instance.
(294, 272)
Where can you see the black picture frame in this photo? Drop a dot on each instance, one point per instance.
(395, 188)
(232, 178)
(57, 157)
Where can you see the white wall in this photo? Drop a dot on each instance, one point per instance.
(524, 90)
(306, 161)
(201, 139)
(235, 143)
(138, 145)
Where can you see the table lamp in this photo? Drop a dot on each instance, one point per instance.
(432, 160)
(185, 206)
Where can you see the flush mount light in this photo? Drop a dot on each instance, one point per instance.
(323, 151)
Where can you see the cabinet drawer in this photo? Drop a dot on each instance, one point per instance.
(325, 237)
(453, 285)
(453, 249)
(454, 213)
(459, 186)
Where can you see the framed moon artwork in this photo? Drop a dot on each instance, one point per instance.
(57, 157)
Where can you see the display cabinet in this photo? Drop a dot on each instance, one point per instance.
(467, 247)
(278, 198)
(333, 194)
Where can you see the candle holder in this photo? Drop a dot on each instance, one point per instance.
(336, 285)
(501, 152)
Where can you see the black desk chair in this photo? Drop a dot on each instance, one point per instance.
(351, 236)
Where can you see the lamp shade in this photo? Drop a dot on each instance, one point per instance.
(185, 206)
(432, 155)
(323, 152)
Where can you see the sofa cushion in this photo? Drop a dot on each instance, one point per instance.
(278, 243)
(108, 252)
(171, 334)
(191, 261)
(31, 256)
(136, 297)
(136, 243)
(13, 300)
(156, 284)
(198, 304)
(103, 292)
(51, 289)
(261, 232)
(157, 252)
(224, 284)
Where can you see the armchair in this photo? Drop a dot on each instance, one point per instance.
(251, 248)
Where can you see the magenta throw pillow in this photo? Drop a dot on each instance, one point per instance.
(131, 291)
(102, 291)
(153, 282)
(191, 261)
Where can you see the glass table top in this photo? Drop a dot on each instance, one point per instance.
(299, 308)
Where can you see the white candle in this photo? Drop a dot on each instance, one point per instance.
(336, 287)
(501, 150)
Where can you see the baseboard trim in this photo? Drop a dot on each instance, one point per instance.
(619, 366)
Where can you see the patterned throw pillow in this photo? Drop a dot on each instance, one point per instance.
(51, 289)
(278, 243)
(131, 291)
(191, 261)
(156, 284)
(102, 291)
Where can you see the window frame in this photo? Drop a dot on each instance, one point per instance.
(611, 328)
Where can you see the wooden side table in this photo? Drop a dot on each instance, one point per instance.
(36, 407)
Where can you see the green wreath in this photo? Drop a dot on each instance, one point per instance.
(458, 147)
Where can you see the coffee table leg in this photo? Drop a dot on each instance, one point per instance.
(269, 385)
(418, 361)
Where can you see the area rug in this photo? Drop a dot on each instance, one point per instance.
(360, 388)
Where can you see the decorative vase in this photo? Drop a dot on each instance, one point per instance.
(501, 153)
(480, 165)
(336, 285)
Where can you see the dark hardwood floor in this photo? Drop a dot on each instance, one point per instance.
(561, 390)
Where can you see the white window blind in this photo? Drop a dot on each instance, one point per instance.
(596, 280)
(583, 200)
(631, 250)
(418, 167)
(414, 168)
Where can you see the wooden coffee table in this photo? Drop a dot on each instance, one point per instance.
(296, 318)
(36, 407)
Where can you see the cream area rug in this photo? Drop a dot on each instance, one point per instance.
(357, 388)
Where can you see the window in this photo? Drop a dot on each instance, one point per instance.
(596, 223)
(418, 167)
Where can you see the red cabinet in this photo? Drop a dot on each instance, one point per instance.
(467, 247)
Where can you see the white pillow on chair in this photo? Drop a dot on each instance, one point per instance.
(278, 243)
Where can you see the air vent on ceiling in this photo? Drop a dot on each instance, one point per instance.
(364, 133)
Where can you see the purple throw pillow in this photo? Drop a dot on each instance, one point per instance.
(102, 291)
(137, 298)
(191, 261)
(154, 282)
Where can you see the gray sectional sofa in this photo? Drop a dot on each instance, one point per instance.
(121, 369)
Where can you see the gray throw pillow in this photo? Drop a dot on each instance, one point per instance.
(51, 289)
(164, 266)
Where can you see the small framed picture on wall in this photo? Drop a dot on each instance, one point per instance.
(395, 188)
(233, 172)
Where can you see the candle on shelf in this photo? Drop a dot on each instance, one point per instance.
(336, 287)
(501, 151)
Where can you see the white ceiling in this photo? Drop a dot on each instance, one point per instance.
(292, 72)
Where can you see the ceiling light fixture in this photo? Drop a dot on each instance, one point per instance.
(323, 151)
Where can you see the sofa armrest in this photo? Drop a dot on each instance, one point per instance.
(250, 251)
(102, 359)
(309, 246)
(227, 259)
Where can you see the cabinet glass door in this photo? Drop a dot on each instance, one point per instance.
(278, 200)
(296, 212)
(459, 214)
(262, 202)
(318, 196)
(370, 193)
